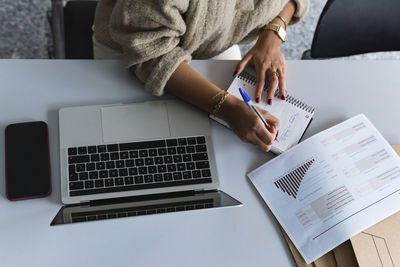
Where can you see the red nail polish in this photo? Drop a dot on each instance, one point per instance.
(277, 133)
(283, 97)
(269, 101)
(235, 73)
(257, 99)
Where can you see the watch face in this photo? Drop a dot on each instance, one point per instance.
(282, 34)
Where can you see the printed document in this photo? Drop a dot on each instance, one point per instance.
(331, 186)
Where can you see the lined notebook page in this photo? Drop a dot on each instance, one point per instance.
(293, 114)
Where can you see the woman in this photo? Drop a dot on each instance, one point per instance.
(157, 39)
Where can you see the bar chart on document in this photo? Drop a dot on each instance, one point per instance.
(333, 178)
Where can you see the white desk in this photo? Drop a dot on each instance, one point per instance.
(245, 236)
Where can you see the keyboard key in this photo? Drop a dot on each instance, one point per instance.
(80, 167)
(162, 168)
(171, 151)
(162, 151)
(171, 167)
(112, 148)
(142, 145)
(101, 149)
(202, 165)
(139, 179)
(199, 156)
(177, 158)
(158, 160)
(201, 148)
(139, 162)
(201, 140)
(143, 153)
(105, 156)
(72, 151)
(110, 165)
(158, 177)
(78, 159)
(181, 167)
(187, 175)
(129, 163)
(190, 166)
(206, 173)
(83, 176)
(73, 176)
(113, 173)
(190, 149)
(177, 176)
(182, 141)
(172, 142)
(149, 161)
(187, 157)
(133, 154)
(152, 169)
(94, 157)
(94, 175)
(167, 176)
(128, 180)
(191, 140)
(114, 156)
(75, 185)
(142, 170)
(181, 150)
(92, 149)
(120, 164)
(124, 155)
(71, 168)
(168, 159)
(152, 152)
(196, 174)
(99, 183)
(123, 172)
(89, 184)
(90, 166)
(133, 171)
(148, 178)
(103, 174)
(82, 150)
(109, 182)
(100, 166)
(119, 181)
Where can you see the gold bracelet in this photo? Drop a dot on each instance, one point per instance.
(217, 107)
(284, 21)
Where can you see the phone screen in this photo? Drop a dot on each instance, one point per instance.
(27, 160)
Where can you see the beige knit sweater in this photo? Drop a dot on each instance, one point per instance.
(155, 36)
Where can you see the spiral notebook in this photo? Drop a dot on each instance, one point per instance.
(294, 114)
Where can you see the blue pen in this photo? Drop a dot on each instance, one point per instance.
(250, 104)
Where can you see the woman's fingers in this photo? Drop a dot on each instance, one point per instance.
(273, 85)
(242, 64)
(260, 72)
(282, 84)
(256, 140)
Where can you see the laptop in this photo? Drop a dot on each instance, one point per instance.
(109, 152)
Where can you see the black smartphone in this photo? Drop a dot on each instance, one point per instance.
(27, 160)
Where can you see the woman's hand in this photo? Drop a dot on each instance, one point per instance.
(247, 125)
(269, 63)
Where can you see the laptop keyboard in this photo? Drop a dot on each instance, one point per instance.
(138, 165)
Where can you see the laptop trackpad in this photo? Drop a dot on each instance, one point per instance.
(138, 121)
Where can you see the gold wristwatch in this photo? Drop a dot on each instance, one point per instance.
(280, 31)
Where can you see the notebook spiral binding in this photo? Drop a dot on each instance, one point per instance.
(250, 79)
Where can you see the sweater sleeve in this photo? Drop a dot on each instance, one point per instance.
(148, 32)
(302, 7)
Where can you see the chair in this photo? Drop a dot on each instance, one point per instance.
(71, 24)
(348, 28)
